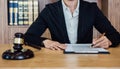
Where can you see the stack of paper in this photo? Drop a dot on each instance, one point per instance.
(84, 49)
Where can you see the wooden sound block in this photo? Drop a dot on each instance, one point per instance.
(17, 55)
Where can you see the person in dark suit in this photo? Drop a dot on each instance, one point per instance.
(71, 21)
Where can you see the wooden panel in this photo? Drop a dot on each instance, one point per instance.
(0, 21)
(105, 7)
(97, 1)
(3, 21)
(114, 15)
(42, 3)
(4, 31)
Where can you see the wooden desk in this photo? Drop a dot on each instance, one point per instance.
(48, 59)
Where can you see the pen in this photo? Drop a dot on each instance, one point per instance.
(98, 38)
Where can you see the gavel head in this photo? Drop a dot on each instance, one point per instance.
(19, 38)
(18, 41)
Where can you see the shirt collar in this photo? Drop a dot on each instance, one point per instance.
(65, 7)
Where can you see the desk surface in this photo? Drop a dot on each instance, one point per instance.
(46, 58)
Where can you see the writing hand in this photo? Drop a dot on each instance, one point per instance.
(102, 42)
(54, 45)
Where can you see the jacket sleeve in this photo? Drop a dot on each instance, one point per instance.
(103, 25)
(33, 35)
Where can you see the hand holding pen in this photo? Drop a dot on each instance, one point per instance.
(102, 42)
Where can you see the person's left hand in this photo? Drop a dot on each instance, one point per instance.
(102, 42)
(53, 45)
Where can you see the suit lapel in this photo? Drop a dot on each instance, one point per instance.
(81, 26)
(62, 23)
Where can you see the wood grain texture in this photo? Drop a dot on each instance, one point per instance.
(3, 21)
(48, 59)
(114, 13)
(0, 21)
(42, 3)
(111, 9)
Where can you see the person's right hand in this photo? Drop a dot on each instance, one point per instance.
(53, 45)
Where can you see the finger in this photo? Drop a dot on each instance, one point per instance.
(51, 46)
(55, 45)
(62, 46)
(98, 40)
(102, 44)
(57, 48)
(99, 44)
(106, 45)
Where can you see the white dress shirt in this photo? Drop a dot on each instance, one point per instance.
(71, 22)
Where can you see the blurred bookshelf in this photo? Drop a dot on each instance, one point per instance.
(22, 12)
(8, 30)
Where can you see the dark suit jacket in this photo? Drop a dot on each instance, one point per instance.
(52, 17)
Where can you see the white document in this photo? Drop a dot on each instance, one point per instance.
(83, 48)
